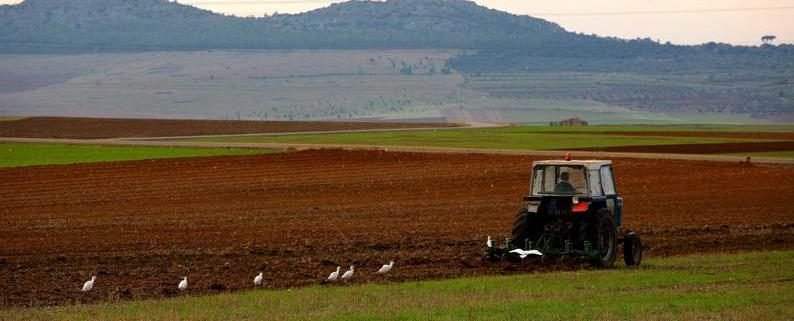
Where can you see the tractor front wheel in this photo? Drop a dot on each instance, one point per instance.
(632, 249)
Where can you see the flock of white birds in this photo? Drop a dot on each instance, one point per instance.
(182, 286)
(334, 276)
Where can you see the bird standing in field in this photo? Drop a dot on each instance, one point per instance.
(349, 274)
(386, 268)
(88, 285)
(489, 243)
(183, 285)
(335, 275)
(258, 279)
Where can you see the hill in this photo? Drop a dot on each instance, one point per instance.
(117, 25)
(513, 65)
(121, 25)
(420, 24)
(710, 78)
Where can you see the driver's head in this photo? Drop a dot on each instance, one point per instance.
(564, 176)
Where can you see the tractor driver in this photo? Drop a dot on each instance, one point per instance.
(564, 187)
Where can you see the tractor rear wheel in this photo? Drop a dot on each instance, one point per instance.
(605, 239)
(632, 249)
(527, 226)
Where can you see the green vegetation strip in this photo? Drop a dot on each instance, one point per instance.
(25, 154)
(751, 286)
(526, 137)
(8, 118)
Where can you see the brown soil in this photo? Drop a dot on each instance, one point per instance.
(91, 128)
(139, 226)
(714, 148)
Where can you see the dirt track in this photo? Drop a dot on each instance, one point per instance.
(94, 128)
(141, 225)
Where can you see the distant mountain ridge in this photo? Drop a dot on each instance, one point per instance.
(89, 25)
(514, 57)
(449, 16)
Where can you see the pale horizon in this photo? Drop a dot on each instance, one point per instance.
(678, 21)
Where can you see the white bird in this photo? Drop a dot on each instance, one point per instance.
(88, 285)
(183, 285)
(489, 242)
(386, 268)
(334, 275)
(258, 279)
(523, 254)
(349, 274)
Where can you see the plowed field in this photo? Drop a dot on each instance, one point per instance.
(713, 148)
(91, 128)
(139, 226)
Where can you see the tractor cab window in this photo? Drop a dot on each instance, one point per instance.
(559, 180)
(606, 177)
(595, 183)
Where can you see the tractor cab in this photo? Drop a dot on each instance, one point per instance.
(570, 187)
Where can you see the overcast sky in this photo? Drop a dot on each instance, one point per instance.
(677, 21)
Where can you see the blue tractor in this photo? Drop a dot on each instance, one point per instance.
(574, 210)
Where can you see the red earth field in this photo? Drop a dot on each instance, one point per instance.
(778, 141)
(91, 128)
(711, 148)
(139, 226)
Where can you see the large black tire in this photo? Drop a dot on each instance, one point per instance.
(526, 226)
(605, 241)
(632, 250)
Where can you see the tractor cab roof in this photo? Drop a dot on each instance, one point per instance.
(589, 164)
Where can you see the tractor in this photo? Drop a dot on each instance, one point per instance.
(573, 210)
